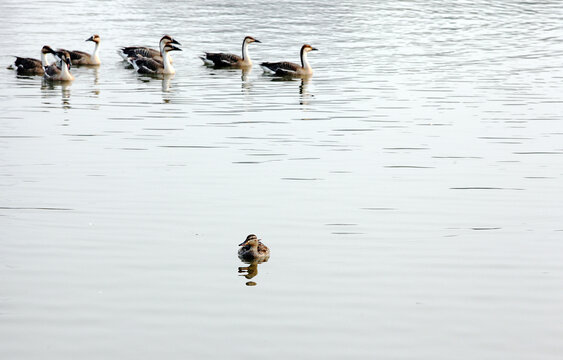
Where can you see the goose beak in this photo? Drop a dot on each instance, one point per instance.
(91, 38)
(258, 41)
(174, 48)
(175, 42)
(314, 49)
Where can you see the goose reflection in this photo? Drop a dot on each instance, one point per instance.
(252, 252)
(48, 87)
(166, 79)
(246, 85)
(304, 95)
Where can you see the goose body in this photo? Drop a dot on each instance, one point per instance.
(231, 60)
(60, 70)
(141, 51)
(252, 250)
(149, 66)
(83, 58)
(30, 66)
(286, 68)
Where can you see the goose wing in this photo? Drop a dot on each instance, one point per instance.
(76, 55)
(28, 66)
(51, 71)
(146, 66)
(281, 68)
(223, 59)
(134, 51)
(26, 63)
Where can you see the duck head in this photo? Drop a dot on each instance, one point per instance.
(250, 240)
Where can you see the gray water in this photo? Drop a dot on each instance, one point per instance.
(411, 191)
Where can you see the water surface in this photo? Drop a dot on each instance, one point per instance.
(411, 192)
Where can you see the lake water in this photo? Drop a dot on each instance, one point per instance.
(411, 191)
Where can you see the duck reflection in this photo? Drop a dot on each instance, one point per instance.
(252, 252)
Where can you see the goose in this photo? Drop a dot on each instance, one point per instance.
(145, 65)
(30, 66)
(60, 70)
(231, 60)
(253, 250)
(134, 51)
(286, 68)
(83, 58)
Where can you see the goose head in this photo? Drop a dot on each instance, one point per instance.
(95, 38)
(250, 40)
(167, 39)
(170, 47)
(47, 50)
(63, 57)
(307, 48)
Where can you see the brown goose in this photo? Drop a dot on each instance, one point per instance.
(60, 70)
(145, 65)
(286, 68)
(30, 66)
(134, 51)
(253, 250)
(83, 58)
(231, 60)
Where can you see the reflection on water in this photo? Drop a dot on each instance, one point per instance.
(250, 271)
(49, 88)
(305, 96)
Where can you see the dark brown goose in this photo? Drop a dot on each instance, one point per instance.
(286, 68)
(134, 51)
(60, 70)
(83, 58)
(148, 66)
(231, 60)
(30, 66)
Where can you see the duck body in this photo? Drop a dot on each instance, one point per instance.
(83, 58)
(60, 70)
(252, 250)
(225, 60)
(286, 68)
(31, 66)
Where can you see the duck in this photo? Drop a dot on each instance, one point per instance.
(231, 60)
(83, 58)
(30, 66)
(134, 51)
(60, 70)
(286, 68)
(149, 66)
(253, 250)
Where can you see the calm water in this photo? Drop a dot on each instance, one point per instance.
(411, 192)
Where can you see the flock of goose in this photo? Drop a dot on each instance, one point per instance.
(151, 61)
